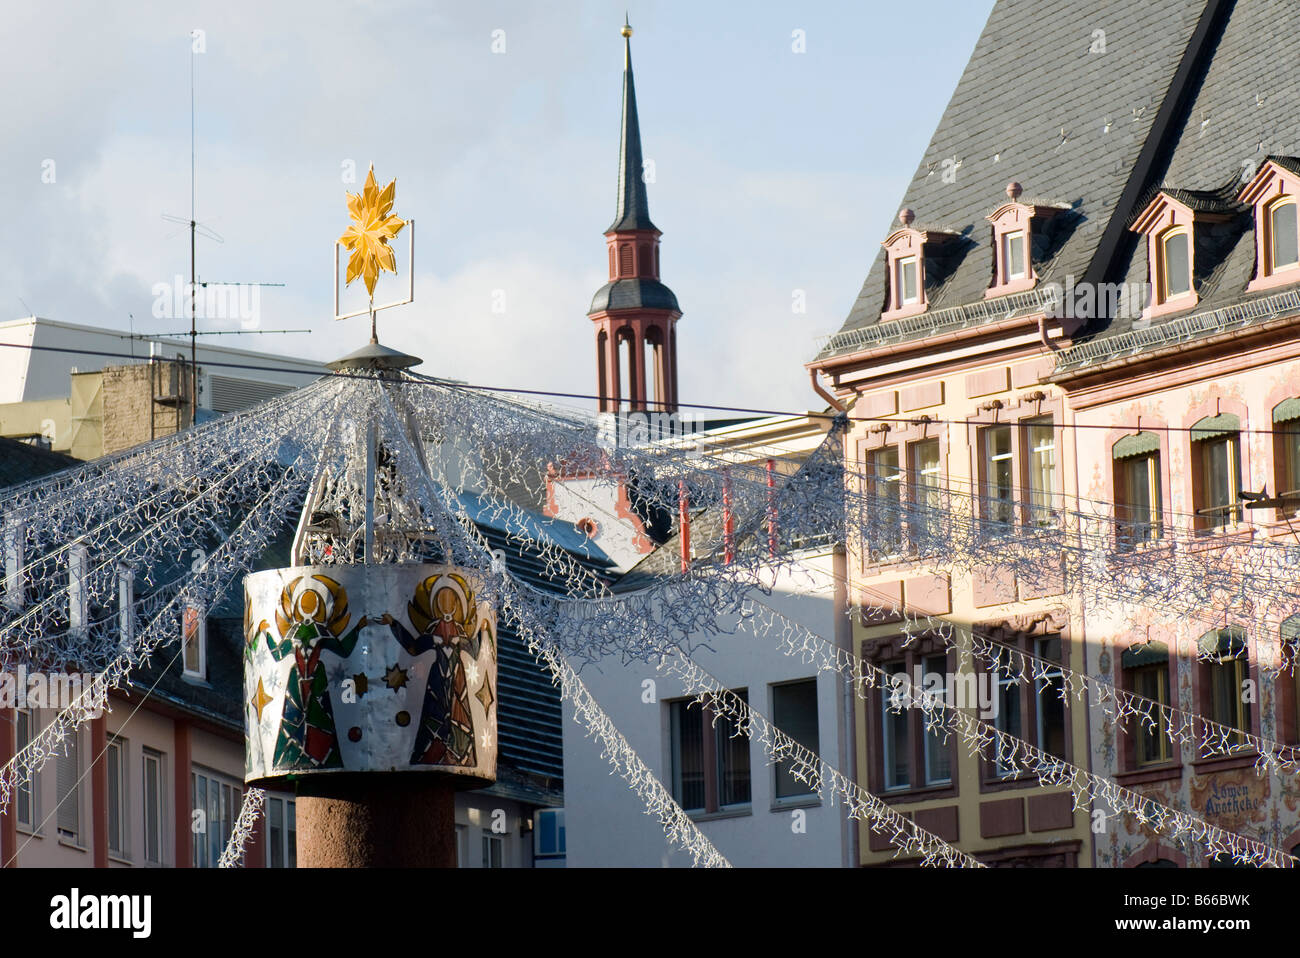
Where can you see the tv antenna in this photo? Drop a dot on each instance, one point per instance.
(198, 229)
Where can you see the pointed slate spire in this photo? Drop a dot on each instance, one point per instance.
(633, 208)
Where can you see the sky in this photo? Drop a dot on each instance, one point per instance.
(777, 170)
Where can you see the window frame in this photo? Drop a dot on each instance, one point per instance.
(1231, 514)
(804, 797)
(120, 747)
(905, 440)
(895, 548)
(229, 798)
(1286, 462)
(32, 826)
(1126, 520)
(200, 641)
(158, 760)
(902, 266)
(1010, 240)
(1271, 208)
(1054, 625)
(1049, 512)
(1143, 732)
(1165, 295)
(1015, 222)
(287, 845)
(884, 653)
(63, 791)
(1270, 188)
(493, 844)
(907, 245)
(920, 490)
(712, 728)
(1214, 673)
(991, 505)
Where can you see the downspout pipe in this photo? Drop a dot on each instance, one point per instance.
(821, 391)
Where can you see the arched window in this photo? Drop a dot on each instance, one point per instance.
(1137, 489)
(1225, 668)
(1216, 471)
(1272, 191)
(1289, 633)
(1175, 264)
(1282, 243)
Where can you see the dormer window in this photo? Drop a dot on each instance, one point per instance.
(1280, 244)
(1175, 264)
(1013, 225)
(1171, 223)
(905, 277)
(1013, 255)
(905, 252)
(1272, 191)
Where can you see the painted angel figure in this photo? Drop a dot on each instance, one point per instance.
(447, 620)
(309, 623)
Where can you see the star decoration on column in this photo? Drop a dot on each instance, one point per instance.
(484, 695)
(395, 678)
(372, 227)
(486, 738)
(471, 672)
(260, 699)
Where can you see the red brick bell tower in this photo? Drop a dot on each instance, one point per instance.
(635, 315)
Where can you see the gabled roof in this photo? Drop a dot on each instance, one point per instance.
(1040, 103)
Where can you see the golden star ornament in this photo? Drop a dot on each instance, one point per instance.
(372, 227)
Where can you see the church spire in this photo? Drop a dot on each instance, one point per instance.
(634, 314)
(633, 208)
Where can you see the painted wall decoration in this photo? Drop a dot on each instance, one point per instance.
(368, 669)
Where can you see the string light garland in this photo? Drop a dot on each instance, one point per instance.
(249, 815)
(227, 488)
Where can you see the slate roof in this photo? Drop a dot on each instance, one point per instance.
(633, 208)
(220, 697)
(1037, 105)
(20, 462)
(1246, 109)
(633, 294)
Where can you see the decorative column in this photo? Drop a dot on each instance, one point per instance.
(376, 719)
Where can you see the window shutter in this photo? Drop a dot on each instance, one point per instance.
(1213, 426)
(1137, 445)
(1287, 410)
(1229, 641)
(67, 770)
(1148, 653)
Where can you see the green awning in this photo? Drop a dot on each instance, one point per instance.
(1286, 410)
(1212, 426)
(1136, 445)
(1147, 653)
(1229, 641)
(1291, 630)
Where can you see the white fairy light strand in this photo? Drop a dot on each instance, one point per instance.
(908, 838)
(249, 815)
(658, 801)
(1023, 757)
